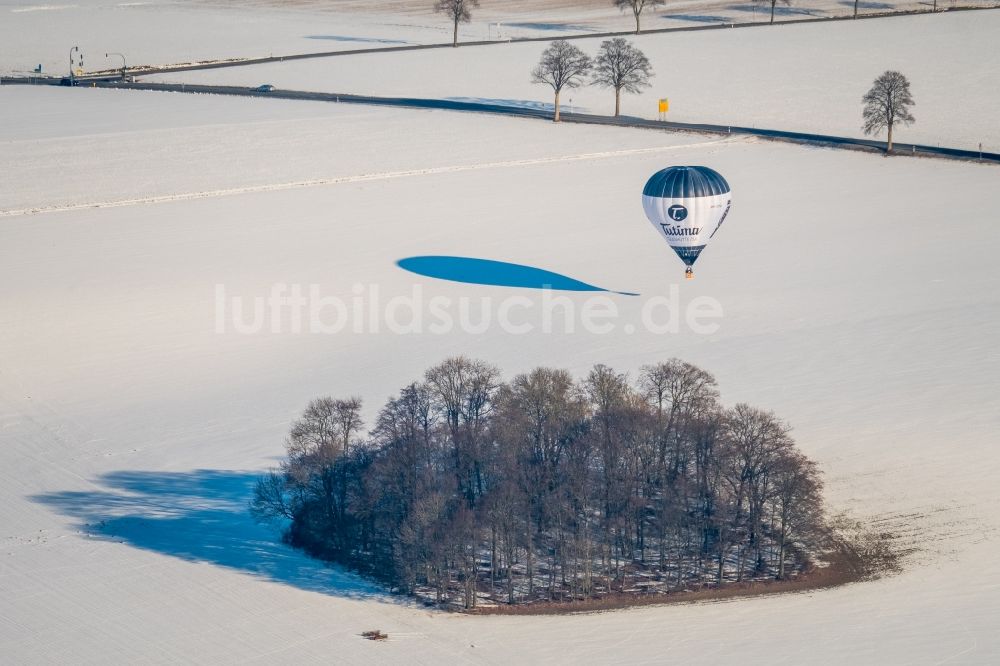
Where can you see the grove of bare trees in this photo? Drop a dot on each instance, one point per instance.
(547, 488)
(619, 65)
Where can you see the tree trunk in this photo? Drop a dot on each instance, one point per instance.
(773, 2)
(855, 8)
(781, 555)
(888, 146)
(556, 117)
(636, 21)
(493, 560)
(475, 573)
(618, 101)
(454, 36)
(530, 563)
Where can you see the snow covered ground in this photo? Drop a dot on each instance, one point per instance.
(803, 78)
(270, 143)
(860, 300)
(34, 32)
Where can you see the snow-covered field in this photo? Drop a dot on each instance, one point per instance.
(270, 143)
(34, 32)
(860, 300)
(802, 78)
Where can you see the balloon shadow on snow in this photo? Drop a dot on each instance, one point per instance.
(201, 516)
(470, 270)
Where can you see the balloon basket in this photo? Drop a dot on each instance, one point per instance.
(689, 274)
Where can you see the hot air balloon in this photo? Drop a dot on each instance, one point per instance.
(687, 205)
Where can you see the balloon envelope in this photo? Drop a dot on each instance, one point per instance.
(687, 205)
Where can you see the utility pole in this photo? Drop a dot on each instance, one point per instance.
(72, 70)
(122, 56)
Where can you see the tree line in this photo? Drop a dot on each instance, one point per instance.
(547, 488)
(622, 67)
(460, 11)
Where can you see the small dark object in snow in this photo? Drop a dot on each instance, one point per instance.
(375, 635)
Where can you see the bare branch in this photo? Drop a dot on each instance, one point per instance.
(621, 66)
(562, 66)
(887, 104)
(460, 11)
(637, 6)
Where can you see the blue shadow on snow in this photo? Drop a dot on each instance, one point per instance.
(867, 5)
(697, 18)
(765, 10)
(364, 40)
(550, 26)
(200, 516)
(495, 273)
(516, 103)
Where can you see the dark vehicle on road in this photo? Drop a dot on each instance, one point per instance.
(267, 87)
(67, 81)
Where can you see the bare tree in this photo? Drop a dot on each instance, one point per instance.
(757, 440)
(637, 6)
(321, 435)
(796, 500)
(621, 66)
(460, 11)
(562, 66)
(462, 391)
(887, 104)
(786, 3)
(268, 501)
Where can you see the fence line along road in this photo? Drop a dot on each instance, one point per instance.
(499, 109)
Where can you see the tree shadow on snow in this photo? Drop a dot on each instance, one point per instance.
(764, 9)
(867, 5)
(516, 103)
(697, 18)
(200, 516)
(366, 40)
(553, 26)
